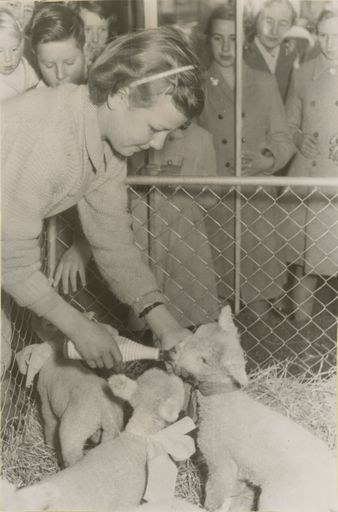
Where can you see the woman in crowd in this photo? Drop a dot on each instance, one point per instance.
(16, 74)
(312, 113)
(67, 145)
(266, 147)
(178, 246)
(270, 51)
(100, 25)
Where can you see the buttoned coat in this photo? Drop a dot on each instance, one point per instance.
(312, 107)
(261, 102)
(284, 66)
(180, 254)
(264, 126)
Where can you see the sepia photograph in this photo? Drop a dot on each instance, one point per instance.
(169, 255)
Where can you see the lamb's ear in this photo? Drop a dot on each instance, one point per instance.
(238, 373)
(122, 386)
(169, 410)
(225, 318)
(234, 360)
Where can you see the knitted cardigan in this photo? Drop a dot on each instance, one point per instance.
(52, 158)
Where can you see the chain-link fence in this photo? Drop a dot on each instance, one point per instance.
(269, 250)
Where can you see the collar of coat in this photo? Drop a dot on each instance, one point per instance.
(322, 65)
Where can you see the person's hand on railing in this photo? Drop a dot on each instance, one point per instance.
(73, 266)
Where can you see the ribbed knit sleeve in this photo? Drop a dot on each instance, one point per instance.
(107, 225)
(32, 155)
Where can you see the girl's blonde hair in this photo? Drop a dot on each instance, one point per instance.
(143, 54)
(9, 23)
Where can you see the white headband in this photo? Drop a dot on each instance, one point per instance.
(164, 74)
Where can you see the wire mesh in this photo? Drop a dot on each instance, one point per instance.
(187, 234)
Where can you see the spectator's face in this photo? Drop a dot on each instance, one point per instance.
(223, 42)
(11, 48)
(131, 129)
(328, 37)
(96, 32)
(273, 22)
(61, 62)
(22, 10)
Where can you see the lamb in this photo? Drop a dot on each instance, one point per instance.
(295, 470)
(112, 476)
(75, 403)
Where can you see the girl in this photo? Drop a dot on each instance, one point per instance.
(312, 112)
(266, 147)
(16, 74)
(67, 145)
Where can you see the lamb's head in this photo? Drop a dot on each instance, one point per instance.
(155, 396)
(213, 353)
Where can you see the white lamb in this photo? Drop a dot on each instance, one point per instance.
(111, 476)
(295, 470)
(75, 403)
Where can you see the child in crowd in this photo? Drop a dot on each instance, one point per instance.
(57, 40)
(269, 51)
(266, 147)
(100, 25)
(169, 227)
(63, 41)
(16, 74)
(312, 113)
(22, 10)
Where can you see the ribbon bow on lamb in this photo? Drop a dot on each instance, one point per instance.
(162, 471)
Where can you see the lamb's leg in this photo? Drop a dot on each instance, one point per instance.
(50, 424)
(76, 427)
(112, 420)
(221, 484)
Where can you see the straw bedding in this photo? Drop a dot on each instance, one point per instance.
(310, 402)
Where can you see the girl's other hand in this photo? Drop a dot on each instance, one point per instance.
(73, 265)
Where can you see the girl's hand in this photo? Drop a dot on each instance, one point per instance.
(166, 327)
(72, 265)
(173, 337)
(97, 344)
(308, 145)
(256, 163)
